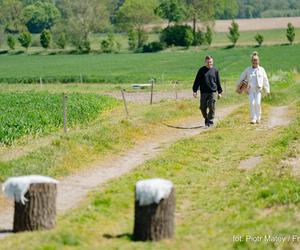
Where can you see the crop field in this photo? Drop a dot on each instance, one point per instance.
(131, 68)
(30, 113)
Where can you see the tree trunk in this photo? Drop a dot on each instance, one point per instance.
(39, 211)
(194, 29)
(155, 222)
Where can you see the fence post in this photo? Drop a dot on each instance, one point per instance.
(65, 98)
(41, 82)
(152, 87)
(124, 101)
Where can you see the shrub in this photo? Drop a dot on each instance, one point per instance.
(132, 39)
(11, 42)
(199, 38)
(290, 33)
(208, 35)
(234, 33)
(105, 46)
(178, 35)
(25, 39)
(259, 38)
(61, 40)
(45, 39)
(153, 47)
(84, 46)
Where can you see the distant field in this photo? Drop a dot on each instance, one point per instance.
(275, 36)
(248, 24)
(128, 68)
(271, 36)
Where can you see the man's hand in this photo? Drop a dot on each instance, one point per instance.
(195, 94)
(219, 96)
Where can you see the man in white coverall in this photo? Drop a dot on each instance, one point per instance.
(257, 79)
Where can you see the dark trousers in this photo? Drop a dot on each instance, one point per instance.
(208, 101)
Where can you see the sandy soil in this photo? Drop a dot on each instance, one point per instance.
(279, 116)
(248, 24)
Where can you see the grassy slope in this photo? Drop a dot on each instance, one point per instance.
(215, 200)
(177, 65)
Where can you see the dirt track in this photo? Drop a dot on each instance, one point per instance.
(73, 189)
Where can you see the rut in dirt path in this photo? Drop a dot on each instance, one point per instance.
(73, 189)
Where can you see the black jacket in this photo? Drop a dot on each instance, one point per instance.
(208, 80)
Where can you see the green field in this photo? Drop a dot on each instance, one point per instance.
(122, 68)
(275, 36)
(30, 113)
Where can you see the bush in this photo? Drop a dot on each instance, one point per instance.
(25, 39)
(199, 38)
(208, 35)
(84, 47)
(153, 47)
(105, 46)
(110, 45)
(132, 39)
(234, 33)
(290, 33)
(11, 42)
(178, 35)
(259, 38)
(61, 40)
(45, 39)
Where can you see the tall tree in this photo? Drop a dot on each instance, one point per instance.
(10, 15)
(135, 14)
(226, 9)
(172, 10)
(82, 18)
(203, 10)
(40, 16)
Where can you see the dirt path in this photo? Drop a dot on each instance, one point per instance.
(279, 116)
(73, 189)
(144, 97)
(136, 97)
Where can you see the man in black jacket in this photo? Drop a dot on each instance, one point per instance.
(208, 80)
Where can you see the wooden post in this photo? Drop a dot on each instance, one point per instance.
(39, 211)
(152, 88)
(41, 82)
(175, 88)
(65, 98)
(154, 221)
(124, 101)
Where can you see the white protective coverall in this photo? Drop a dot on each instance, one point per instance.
(257, 80)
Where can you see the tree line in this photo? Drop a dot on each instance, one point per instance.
(72, 21)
